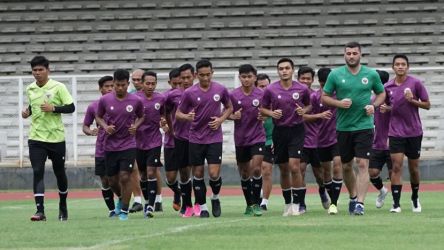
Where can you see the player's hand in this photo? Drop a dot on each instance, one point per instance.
(369, 109)
(132, 129)
(46, 107)
(162, 122)
(237, 115)
(408, 94)
(25, 113)
(94, 132)
(272, 148)
(326, 115)
(191, 116)
(277, 114)
(384, 108)
(299, 110)
(261, 117)
(110, 129)
(215, 123)
(165, 128)
(346, 103)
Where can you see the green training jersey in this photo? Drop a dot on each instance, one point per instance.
(268, 125)
(359, 89)
(47, 126)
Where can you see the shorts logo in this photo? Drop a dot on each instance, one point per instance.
(155, 160)
(130, 165)
(220, 157)
(112, 108)
(368, 153)
(216, 97)
(295, 96)
(255, 102)
(364, 80)
(279, 97)
(157, 106)
(299, 152)
(239, 102)
(129, 108)
(260, 149)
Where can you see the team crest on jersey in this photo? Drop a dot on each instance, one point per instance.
(295, 96)
(364, 80)
(407, 90)
(279, 96)
(216, 97)
(129, 108)
(48, 95)
(157, 106)
(112, 108)
(255, 103)
(198, 99)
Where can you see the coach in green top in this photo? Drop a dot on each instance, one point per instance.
(353, 85)
(48, 99)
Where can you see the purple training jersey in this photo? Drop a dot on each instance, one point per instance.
(206, 104)
(382, 122)
(312, 128)
(90, 116)
(404, 117)
(327, 128)
(148, 134)
(248, 130)
(168, 138)
(276, 97)
(122, 114)
(181, 128)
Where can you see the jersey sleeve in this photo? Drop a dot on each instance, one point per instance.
(378, 87)
(64, 95)
(421, 92)
(330, 84)
(139, 109)
(185, 103)
(225, 100)
(89, 116)
(101, 108)
(266, 99)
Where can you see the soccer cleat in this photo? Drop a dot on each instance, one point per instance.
(123, 216)
(248, 211)
(149, 212)
(38, 216)
(176, 202)
(136, 207)
(332, 209)
(359, 209)
(182, 209)
(302, 209)
(196, 210)
(189, 212)
(256, 210)
(288, 211)
(295, 209)
(351, 206)
(158, 207)
(215, 207)
(416, 206)
(112, 214)
(381, 197)
(395, 210)
(264, 207)
(204, 214)
(63, 213)
(118, 207)
(325, 200)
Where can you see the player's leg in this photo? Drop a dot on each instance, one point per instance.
(107, 193)
(153, 164)
(257, 152)
(346, 152)
(37, 156)
(214, 159)
(318, 173)
(171, 170)
(413, 153)
(197, 160)
(267, 180)
(363, 145)
(295, 149)
(57, 155)
(397, 150)
(158, 203)
(126, 162)
(376, 162)
(137, 191)
(243, 158)
(181, 152)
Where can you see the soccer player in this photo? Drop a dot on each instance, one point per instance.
(263, 80)
(48, 99)
(120, 114)
(310, 152)
(327, 145)
(149, 140)
(380, 154)
(201, 105)
(405, 94)
(168, 147)
(286, 101)
(249, 137)
(136, 80)
(105, 87)
(353, 85)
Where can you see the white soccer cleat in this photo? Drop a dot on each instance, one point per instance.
(295, 209)
(418, 208)
(288, 210)
(381, 197)
(395, 210)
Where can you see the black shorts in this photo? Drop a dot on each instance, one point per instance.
(100, 167)
(181, 153)
(311, 156)
(355, 144)
(268, 155)
(246, 153)
(116, 161)
(410, 146)
(148, 158)
(169, 159)
(380, 157)
(288, 142)
(199, 152)
(328, 153)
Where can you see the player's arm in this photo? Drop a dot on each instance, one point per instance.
(185, 104)
(228, 109)
(26, 112)
(422, 100)
(420, 103)
(314, 117)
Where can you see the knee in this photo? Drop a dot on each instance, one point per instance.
(373, 172)
(124, 177)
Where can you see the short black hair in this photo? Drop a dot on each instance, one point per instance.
(204, 63)
(149, 73)
(383, 75)
(403, 56)
(185, 67)
(323, 74)
(305, 69)
(247, 68)
(353, 45)
(285, 59)
(263, 77)
(104, 79)
(173, 73)
(39, 61)
(121, 74)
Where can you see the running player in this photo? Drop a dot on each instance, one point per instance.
(201, 105)
(286, 101)
(405, 94)
(380, 155)
(120, 114)
(105, 87)
(249, 137)
(263, 80)
(353, 85)
(48, 99)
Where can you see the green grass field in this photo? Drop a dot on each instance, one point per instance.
(89, 228)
